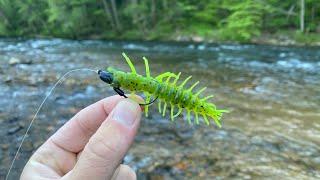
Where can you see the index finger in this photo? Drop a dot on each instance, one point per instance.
(75, 134)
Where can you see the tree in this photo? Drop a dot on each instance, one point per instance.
(115, 15)
(234, 20)
(245, 20)
(109, 14)
(302, 14)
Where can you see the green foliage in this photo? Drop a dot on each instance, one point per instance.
(232, 20)
(33, 16)
(244, 21)
(75, 18)
(301, 37)
(7, 16)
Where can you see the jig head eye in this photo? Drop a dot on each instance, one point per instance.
(105, 76)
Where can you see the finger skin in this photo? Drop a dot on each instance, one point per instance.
(59, 154)
(107, 147)
(124, 172)
(75, 134)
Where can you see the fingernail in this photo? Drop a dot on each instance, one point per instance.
(126, 112)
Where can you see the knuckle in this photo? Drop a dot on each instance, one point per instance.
(83, 125)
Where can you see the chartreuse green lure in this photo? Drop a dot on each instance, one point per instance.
(165, 87)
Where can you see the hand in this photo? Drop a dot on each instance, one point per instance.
(89, 146)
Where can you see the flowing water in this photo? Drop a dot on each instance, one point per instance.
(273, 94)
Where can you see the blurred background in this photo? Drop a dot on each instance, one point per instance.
(260, 58)
(260, 21)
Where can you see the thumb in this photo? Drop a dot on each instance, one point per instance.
(107, 147)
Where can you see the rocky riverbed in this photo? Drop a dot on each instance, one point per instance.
(272, 131)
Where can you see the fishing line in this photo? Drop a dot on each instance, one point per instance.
(61, 79)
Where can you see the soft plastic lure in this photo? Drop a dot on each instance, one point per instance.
(168, 92)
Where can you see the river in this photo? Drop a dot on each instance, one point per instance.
(272, 92)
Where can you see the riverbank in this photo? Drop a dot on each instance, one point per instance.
(281, 38)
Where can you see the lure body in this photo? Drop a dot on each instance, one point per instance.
(167, 91)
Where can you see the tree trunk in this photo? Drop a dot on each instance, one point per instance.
(165, 4)
(302, 12)
(290, 12)
(153, 12)
(313, 12)
(115, 15)
(108, 12)
(134, 3)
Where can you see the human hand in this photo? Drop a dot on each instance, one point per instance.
(89, 146)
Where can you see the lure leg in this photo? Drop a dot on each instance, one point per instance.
(147, 66)
(172, 106)
(197, 118)
(217, 121)
(133, 69)
(159, 106)
(206, 98)
(164, 109)
(200, 91)
(188, 117)
(148, 96)
(167, 74)
(184, 82)
(168, 79)
(179, 112)
(217, 118)
(206, 119)
(194, 85)
(159, 78)
(165, 104)
(146, 108)
(213, 106)
(176, 78)
(171, 112)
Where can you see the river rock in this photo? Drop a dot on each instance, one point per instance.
(197, 39)
(13, 119)
(28, 146)
(14, 130)
(14, 61)
(8, 79)
(4, 146)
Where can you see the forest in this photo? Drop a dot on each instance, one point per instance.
(217, 20)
